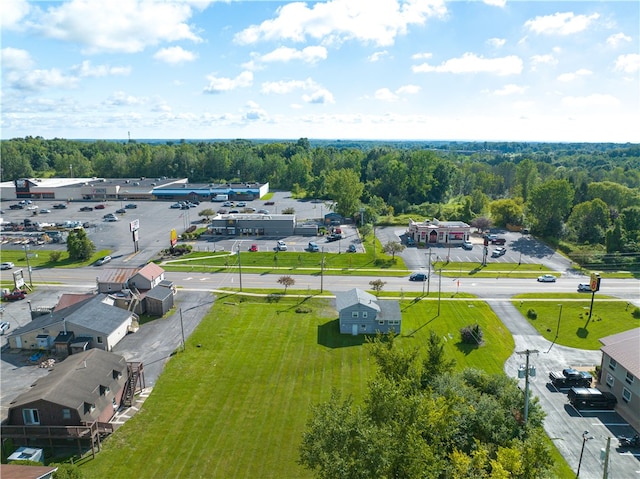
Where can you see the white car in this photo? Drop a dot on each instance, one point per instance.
(7, 265)
(547, 278)
(176, 206)
(281, 246)
(104, 260)
(4, 326)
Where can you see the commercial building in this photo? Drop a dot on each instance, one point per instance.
(452, 233)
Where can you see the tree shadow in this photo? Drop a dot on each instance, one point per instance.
(582, 332)
(466, 348)
(330, 337)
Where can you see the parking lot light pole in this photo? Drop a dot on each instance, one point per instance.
(585, 438)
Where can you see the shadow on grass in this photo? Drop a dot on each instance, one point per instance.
(582, 332)
(476, 270)
(421, 326)
(466, 348)
(330, 337)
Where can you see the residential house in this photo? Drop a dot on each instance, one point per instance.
(94, 320)
(620, 372)
(434, 232)
(363, 313)
(84, 388)
(146, 277)
(16, 471)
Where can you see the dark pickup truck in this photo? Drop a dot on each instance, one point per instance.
(570, 377)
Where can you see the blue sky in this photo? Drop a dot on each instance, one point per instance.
(490, 70)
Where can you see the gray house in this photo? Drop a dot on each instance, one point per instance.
(362, 313)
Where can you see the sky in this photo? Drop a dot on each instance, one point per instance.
(492, 70)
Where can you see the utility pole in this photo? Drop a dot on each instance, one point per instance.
(429, 272)
(526, 372)
(184, 346)
(322, 271)
(240, 268)
(557, 329)
(26, 253)
(605, 473)
(439, 289)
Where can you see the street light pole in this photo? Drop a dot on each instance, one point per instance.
(322, 271)
(585, 438)
(429, 270)
(439, 289)
(26, 253)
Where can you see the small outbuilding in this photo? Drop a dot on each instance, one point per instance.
(362, 313)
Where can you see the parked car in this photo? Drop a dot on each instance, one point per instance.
(121, 211)
(253, 248)
(351, 248)
(234, 212)
(498, 252)
(111, 218)
(45, 210)
(100, 206)
(313, 247)
(228, 204)
(334, 237)
(418, 276)
(281, 246)
(547, 278)
(241, 204)
(131, 206)
(584, 288)
(4, 326)
(14, 295)
(16, 207)
(498, 241)
(269, 203)
(410, 241)
(467, 245)
(176, 206)
(591, 398)
(263, 212)
(60, 206)
(7, 265)
(32, 207)
(104, 260)
(86, 208)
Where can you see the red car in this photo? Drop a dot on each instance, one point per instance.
(14, 295)
(99, 207)
(254, 247)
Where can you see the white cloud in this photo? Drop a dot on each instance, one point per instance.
(569, 77)
(120, 98)
(35, 80)
(85, 69)
(341, 20)
(12, 12)
(385, 94)
(629, 63)
(375, 56)
(561, 23)
(174, 55)
(617, 39)
(510, 89)
(421, 56)
(595, 100)
(284, 54)
(15, 59)
(253, 112)
(495, 3)
(124, 26)
(408, 89)
(283, 87)
(319, 96)
(542, 60)
(221, 84)
(496, 42)
(471, 63)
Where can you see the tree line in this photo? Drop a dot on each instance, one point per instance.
(584, 194)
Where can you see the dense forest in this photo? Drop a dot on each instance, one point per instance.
(585, 197)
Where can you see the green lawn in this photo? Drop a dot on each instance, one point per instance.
(290, 263)
(491, 270)
(576, 330)
(40, 258)
(235, 403)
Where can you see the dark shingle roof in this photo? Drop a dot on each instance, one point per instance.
(354, 296)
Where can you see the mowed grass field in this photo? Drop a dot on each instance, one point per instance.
(236, 402)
